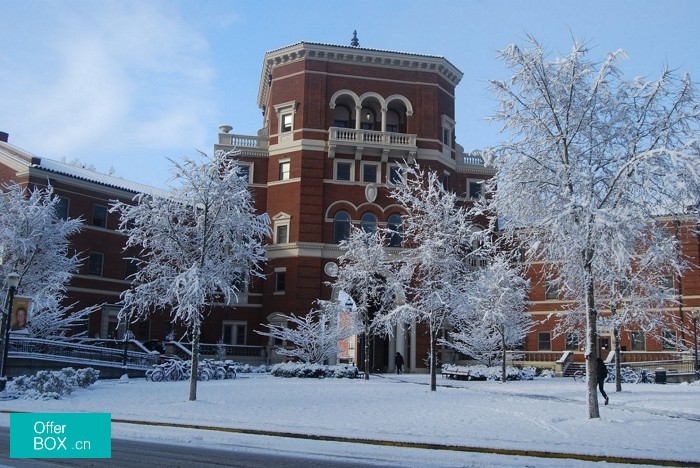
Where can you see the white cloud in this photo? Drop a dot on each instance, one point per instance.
(115, 75)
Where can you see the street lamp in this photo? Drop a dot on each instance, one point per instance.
(12, 282)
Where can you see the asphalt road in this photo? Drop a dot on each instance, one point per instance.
(135, 454)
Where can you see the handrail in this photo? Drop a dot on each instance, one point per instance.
(35, 346)
(360, 136)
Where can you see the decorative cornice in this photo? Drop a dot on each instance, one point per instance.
(357, 55)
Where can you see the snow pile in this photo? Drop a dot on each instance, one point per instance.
(319, 371)
(482, 372)
(241, 368)
(52, 385)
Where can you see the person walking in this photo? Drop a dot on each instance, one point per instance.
(398, 360)
(602, 373)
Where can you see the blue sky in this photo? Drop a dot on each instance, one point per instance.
(125, 85)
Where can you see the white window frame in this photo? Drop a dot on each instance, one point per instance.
(539, 340)
(283, 110)
(548, 286)
(288, 162)
(278, 270)
(362, 172)
(281, 219)
(473, 181)
(447, 127)
(352, 169)
(235, 323)
(250, 167)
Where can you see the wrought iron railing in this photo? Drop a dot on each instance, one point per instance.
(47, 349)
(216, 349)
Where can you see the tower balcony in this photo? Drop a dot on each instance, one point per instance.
(373, 142)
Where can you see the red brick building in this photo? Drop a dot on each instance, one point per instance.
(337, 123)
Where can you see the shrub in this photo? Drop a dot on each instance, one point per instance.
(482, 372)
(318, 371)
(52, 385)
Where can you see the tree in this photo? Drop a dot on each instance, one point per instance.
(637, 297)
(438, 234)
(35, 243)
(315, 336)
(591, 162)
(365, 273)
(493, 316)
(200, 244)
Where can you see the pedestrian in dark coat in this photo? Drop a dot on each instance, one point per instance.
(602, 373)
(398, 360)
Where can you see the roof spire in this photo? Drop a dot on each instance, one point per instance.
(355, 42)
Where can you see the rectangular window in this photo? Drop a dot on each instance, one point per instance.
(99, 216)
(395, 175)
(370, 172)
(669, 340)
(287, 123)
(637, 341)
(572, 342)
(61, 208)
(280, 281)
(285, 169)
(282, 234)
(475, 189)
(95, 261)
(544, 341)
(244, 172)
(551, 291)
(234, 333)
(343, 171)
(446, 181)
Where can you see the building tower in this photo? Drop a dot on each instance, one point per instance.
(338, 122)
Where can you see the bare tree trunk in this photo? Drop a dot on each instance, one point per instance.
(366, 348)
(592, 339)
(618, 359)
(433, 374)
(503, 359)
(195, 360)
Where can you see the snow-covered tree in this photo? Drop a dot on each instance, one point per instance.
(366, 274)
(315, 336)
(591, 161)
(200, 244)
(35, 243)
(637, 298)
(436, 264)
(493, 317)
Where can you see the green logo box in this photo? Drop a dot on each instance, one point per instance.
(60, 435)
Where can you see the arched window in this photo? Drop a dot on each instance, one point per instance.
(369, 222)
(341, 226)
(392, 121)
(395, 230)
(341, 117)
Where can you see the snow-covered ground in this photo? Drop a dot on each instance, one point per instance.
(548, 415)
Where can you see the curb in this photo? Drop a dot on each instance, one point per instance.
(421, 445)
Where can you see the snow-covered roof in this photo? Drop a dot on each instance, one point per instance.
(29, 160)
(96, 177)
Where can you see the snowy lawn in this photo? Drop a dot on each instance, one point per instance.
(645, 420)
